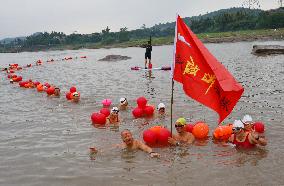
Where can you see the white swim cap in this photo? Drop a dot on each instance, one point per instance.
(247, 118)
(75, 94)
(114, 110)
(161, 105)
(238, 124)
(122, 101)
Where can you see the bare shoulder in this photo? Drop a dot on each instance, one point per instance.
(190, 136)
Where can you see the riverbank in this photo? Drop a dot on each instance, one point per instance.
(221, 37)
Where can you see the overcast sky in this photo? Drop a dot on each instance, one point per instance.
(24, 17)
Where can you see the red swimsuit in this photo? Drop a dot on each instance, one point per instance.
(245, 144)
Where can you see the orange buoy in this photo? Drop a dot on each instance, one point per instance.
(200, 130)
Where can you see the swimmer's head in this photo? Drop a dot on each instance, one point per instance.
(75, 94)
(181, 121)
(247, 119)
(238, 126)
(114, 110)
(127, 137)
(123, 101)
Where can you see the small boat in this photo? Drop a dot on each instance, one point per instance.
(267, 49)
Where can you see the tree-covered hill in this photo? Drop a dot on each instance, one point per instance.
(225, 20)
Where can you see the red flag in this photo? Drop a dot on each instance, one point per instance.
(203, 77)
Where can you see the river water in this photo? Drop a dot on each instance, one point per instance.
(45, 141)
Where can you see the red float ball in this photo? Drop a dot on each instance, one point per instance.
(148, 110)
(47, 85)
(163, 136)
(73, 89)
(189, 127)
(141, 102)
(19, 78)
(9, 76)
(50, 90)
(98, 118)
(258, 127)
(137, 112)
(150, 137)
(36, 83)
(105, 111)
(68, 95)
(22, 83)
(14, 76)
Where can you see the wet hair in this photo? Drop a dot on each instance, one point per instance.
(125, 130)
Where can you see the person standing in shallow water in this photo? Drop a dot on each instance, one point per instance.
(148, 55)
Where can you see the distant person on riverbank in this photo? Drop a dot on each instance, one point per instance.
(148, 55)
(244, 139)
(182, 137)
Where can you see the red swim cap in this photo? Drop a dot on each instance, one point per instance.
(258, 127)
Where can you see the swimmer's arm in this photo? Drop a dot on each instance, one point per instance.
(173, 140)
(148, 149)
(96, 150)
(255, 139)
(231, 139)
(144, 147)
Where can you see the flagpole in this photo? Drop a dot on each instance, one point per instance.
(172, 101)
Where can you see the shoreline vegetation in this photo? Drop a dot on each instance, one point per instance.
(225, 25)
(220, 37)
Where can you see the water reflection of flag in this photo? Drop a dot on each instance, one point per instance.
(203, 77)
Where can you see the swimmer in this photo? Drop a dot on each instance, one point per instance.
(258, 129)
(248, 123)
(75, 97)
(243, 139)
(123, 103)
(161, 109)
(56, 92)
(182, 137)
(31, 84)
(130, 144)
(11, 81)
(113, 118)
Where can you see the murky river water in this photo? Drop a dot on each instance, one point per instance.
(45, 141)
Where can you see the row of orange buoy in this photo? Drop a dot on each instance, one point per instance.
(46, 87)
